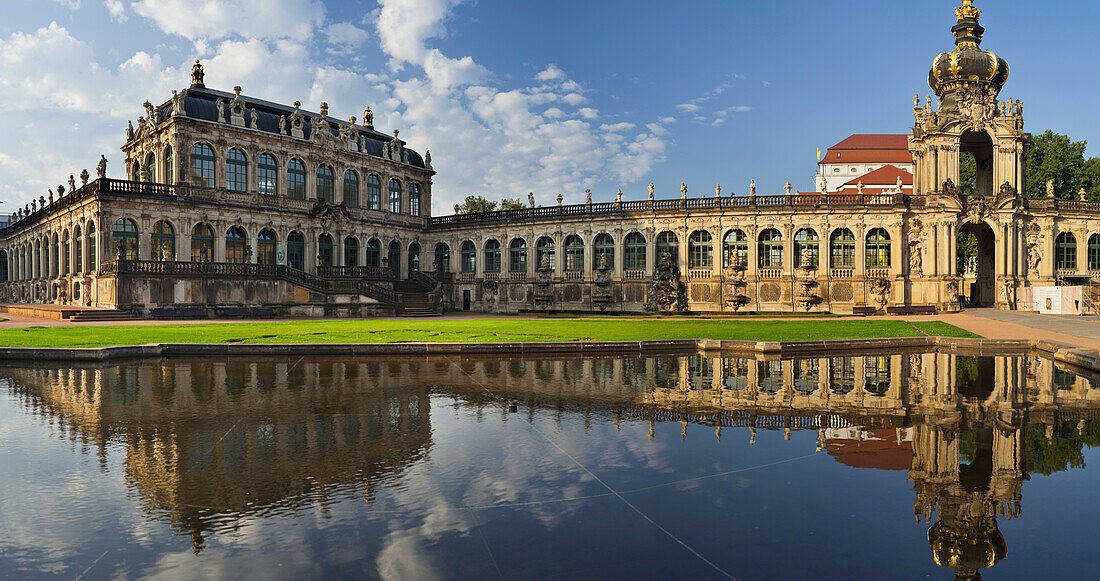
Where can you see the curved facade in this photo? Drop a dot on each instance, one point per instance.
(236, 201)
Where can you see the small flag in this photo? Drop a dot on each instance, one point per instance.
(819, 154)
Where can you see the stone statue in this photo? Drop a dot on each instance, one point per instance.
(72, 184)
(60, 192)
(588, 192)
(916, 101)
(1081, 195)
(101, 169)
(84, 177)
(824, 185)
(683, 191)
(428, 159)
(368, 118)
(282, 125)
(255, 119)
(950, 188)
(196, 75)
(220, 104)
(619, 196)
(457, 209)
(1019, 107)
(1050, 188)
(752, 187)
(34, 206)
(51, 196)
(560, 199)
(531, 199)
(718, 190)
(129, 131)
(859, 187)
(916, 265)
(928, 102)
(650, 191)
(806, 258)
(150, 114)
(787, 188)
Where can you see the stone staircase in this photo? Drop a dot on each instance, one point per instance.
(100, 315)
(414, 300)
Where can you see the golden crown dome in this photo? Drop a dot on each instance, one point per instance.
(968, 64)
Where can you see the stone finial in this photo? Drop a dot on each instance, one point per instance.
(787, 188)
(324, 109)
(368, 118)
(84, 177)
(297, 105)
(237, 91)
(718, 190)
(916, 101)
(197, 75)
(60, 190)
(352, 120)
(619, 195)
(396, 133)
(560, 199)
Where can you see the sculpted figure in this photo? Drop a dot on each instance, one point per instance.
(196, 74)
(683, 191)
(428, 159)
(531, 199)
(916, 101)
(368, 118)
(129, 131)
(650, 191)
(1050, 188)
(588, 192)
(72, 184)
(150, 114)
(899, 184)
(255, 119)
(101, 169)
(859, 187)
(282, 125)
(752, 187)
(221, 110)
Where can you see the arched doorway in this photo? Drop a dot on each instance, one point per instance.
(976, 265)
(414, 258)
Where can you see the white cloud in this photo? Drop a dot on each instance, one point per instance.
(589, 113)
(345, 37)
(617, 127)
(550, 73)
(573, 99)
(219, 19)
(116, 9)
(688, 107)
(70, 4)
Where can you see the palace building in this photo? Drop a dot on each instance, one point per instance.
(235, 205)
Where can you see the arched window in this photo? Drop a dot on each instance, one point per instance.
(78, 254)
(236, 242)
(236, 171)
(492, 256)
(267, 175)
(296, 251)
(90, 262)
(469, 257)
(374, 192)
(414, 200)
(395, 196)
(842, 374)
(735, 249)
(771, 249)
(374, 252)
(414, 258)
(4, 266)
(806, 250)
(169, 166)
(202, 243)
(1065, 251)
(393, 256)
(574, 253)
(351, 189)
(150, 168)
(877, 373)
(326, 184)
(296, 180)
(604, 246)
(65, 253)
(634, 251)
(1094, 252)
(442, 257)
(878, 248)
(135, 171)
(265, 246)
(324, 250)
(351, 251)
(202, 165)
(699, 249)
(668, 243)
(843, 249)
(164, 242)
(125, 234)
(544, 253)
(517, 255)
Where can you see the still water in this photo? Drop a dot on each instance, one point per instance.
(907, 466)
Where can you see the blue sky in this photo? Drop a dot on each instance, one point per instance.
(547, 97)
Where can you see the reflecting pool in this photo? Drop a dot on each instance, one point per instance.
(900, 466)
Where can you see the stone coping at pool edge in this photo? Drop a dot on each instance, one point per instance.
(1059, 351)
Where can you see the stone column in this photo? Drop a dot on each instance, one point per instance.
(651, 257)
(716, 254)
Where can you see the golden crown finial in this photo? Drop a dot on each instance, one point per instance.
(967, 10)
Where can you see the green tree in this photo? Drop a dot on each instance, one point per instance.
(1054, 157)
(968, 174)
(476, 205)
(966, 246)
(512, 204)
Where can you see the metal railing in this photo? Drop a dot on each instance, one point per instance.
(359, 272)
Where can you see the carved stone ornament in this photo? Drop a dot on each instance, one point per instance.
(880, 292)
(977, 209)
(978, 104)
(1034, 255)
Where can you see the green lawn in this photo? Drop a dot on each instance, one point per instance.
(471, 330)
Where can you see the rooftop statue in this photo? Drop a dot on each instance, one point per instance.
(101, 169)
(197, 75)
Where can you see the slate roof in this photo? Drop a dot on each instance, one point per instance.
(201, 103)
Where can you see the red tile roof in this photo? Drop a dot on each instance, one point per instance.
(882, 453)
(874, 141)
(885, 175)
(870, 148)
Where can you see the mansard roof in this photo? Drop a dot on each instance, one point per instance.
(201, 103)
(885, 175)
(870, 148)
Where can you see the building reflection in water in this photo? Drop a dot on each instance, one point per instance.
(209, 443)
